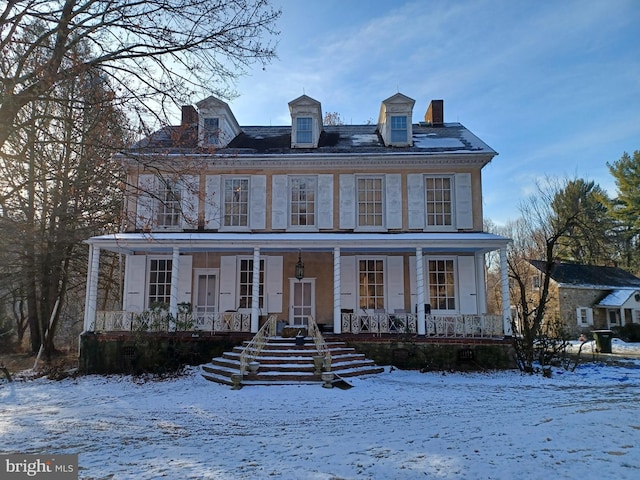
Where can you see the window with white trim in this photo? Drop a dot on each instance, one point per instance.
(245, 287)
(439, 200)
(535, 281)
(584, 316)
(159, 282)
(399, 129)
(371, 283)
(614, 317)
(442, 284)
(370, 201)
(236, 202)
(304, 130)
(169, 199)
(212, 131)
(302, 191)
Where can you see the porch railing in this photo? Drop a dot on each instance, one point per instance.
(258, 342)
(442, 326)
(110, 321)
(318, 340)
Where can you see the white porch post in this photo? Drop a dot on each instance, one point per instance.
(337, 317)
(420, 319)
(91, 296)
(175, 274)
(506, 299)
(255, 292)
(481, 283)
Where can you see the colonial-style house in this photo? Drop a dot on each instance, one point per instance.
(373, 228)
(590, 297)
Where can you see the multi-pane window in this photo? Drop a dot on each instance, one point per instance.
(584, 317)
(236, 202)
(439, 197)
(160, 282)
(303, 201)
(304, 132)
(371, 275)
(212, 131)
(246, 284)
(169, 205)
(369, 202)
(399, 129)
(442, 291)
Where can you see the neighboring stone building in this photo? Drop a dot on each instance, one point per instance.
(590, 297)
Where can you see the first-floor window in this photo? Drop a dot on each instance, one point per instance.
(442, 286)
(160, 282)
(371, 275)
(584, 317)
(246, 284)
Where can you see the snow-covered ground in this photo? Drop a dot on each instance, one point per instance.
(396, 425)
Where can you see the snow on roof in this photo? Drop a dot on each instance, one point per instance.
(617, 298)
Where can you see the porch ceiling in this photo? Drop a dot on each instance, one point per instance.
(477, 242)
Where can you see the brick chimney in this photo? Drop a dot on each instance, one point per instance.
(189, 115)
(435, 113)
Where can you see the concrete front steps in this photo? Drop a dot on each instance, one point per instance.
(282, 362)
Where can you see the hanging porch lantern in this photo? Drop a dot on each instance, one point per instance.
(299, 266)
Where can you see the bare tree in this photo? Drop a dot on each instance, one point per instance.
(153, 52)
(538, 235)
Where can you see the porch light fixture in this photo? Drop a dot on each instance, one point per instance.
(299, 266)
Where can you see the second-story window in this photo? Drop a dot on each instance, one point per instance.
(303, 201)
(304, 132)
(399, 129)
(439, 195)
(369, 201)
(212, 131)
(169, 205)
(236, 202)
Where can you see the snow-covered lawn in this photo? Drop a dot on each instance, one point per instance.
(396, 425)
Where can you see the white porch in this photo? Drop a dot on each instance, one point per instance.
(470, 319)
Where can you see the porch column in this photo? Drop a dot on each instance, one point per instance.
(255, 292)
(91, 294)
(421, 321)
(175, 271)
(481, 283)
(337, 317)
(506, 299)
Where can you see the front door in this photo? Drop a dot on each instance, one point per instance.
(206, 304)
(302, 300)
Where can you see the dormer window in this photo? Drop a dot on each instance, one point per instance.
(304, 132)
(217, 125)
(399, 129)
(212, 131)
(394, 121)
(306, 122)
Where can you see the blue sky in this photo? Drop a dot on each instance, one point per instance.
(552, 86)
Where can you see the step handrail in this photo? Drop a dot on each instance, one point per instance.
(318, 339)
(258, 342)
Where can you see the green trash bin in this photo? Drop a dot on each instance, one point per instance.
(603, 340)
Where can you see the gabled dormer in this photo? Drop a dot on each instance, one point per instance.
(306, 122)
(394, 121)
(217, 125)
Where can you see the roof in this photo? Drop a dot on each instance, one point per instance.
(573, 274)
(477, 242)
(451, 138)
(617, 298)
